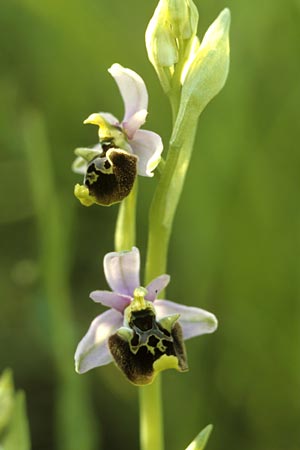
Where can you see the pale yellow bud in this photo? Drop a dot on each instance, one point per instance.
(183, 17)
(160, 41)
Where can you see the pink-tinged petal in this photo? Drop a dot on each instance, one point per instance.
(132, 89)
(156, 286)
(134, 123)
(148, 146)
(112, 120)
(111, 299)
(92, 350)
(194, 321)
(122, 271)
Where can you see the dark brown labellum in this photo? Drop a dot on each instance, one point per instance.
(149, 342)
(110, 179)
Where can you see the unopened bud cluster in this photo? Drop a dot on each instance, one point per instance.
(169, 34)
(201, 68)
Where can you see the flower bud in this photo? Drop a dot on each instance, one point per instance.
(160, 41)
(183, 16)
(208, 71)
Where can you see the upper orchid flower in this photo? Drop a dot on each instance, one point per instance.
(110, 167)
(142, 334)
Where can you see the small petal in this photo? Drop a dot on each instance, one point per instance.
(134, 123)
(156, 286)
(111, 299)
(110, 118)
(89, 153)
(122, 271)
(92, 350)
(194, 321)
(132, 89)
(148, 146)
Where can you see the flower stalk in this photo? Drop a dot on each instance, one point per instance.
(161, 217)
(151, 420)
(125, 232)
(166, 199)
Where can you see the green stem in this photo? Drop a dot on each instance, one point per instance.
(125, 233)
(161, 217)
(151, 421)
(167, 195)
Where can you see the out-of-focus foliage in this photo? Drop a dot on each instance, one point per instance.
(235, 246)
(14, 430)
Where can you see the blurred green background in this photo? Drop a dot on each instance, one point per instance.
(235, 246)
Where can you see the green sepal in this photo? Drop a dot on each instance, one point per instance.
(201, 439)
(125, 333)
(168, 322)
(207, 73)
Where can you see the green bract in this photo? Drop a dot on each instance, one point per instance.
(208, 67)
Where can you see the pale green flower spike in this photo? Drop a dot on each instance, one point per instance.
(178, 58)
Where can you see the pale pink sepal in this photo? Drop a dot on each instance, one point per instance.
(111, 299)
(156, 286)
(132, 89)
(92, 350)
(148, 146)
(134, 123)
(122, 271)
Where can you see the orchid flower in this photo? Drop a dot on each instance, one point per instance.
(123, 151)
(140, 333)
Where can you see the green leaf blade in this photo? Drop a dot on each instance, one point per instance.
(201, 439)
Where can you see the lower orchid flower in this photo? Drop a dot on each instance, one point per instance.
(123, 151)
(143, 335)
